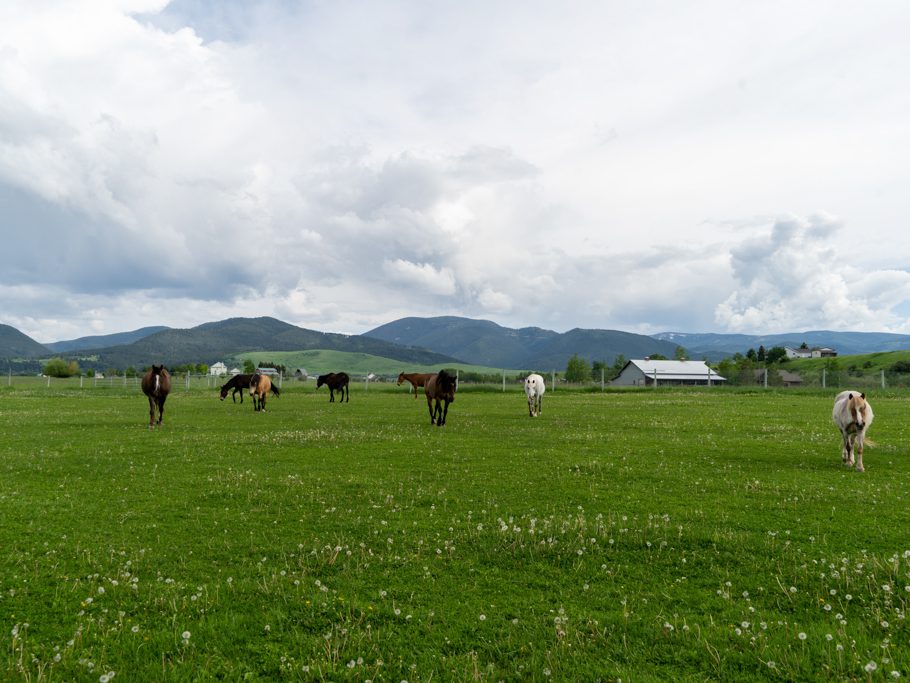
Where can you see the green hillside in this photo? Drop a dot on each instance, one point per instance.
(856, 371)
(320, 361)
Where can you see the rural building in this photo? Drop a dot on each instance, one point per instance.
(787, 378)
(817, 352)
(639, 373)
(301, 374)
(271, 372)
(218, 369)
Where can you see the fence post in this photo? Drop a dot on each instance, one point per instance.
(503, 381)
(655, 378)
(601, 379)
(553, 379)
(883, 379)
(766, 378)
(824, 378)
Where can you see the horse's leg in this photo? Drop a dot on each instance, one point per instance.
(331, 395)
(161, 401)
(430, 408)
(848, 449)
(347, 388)
(539, 404)
(444, 411)
(858, 449)
(151, 412)
(414, 385)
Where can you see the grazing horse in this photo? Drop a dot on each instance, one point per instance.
(534, 388)
(852, 414)
(417, 379)
(260, 386)
(335, 381)
(239, 384)
(441, 389)
(156, 384)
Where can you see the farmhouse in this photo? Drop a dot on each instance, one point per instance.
(218, 369)
(817, 352)
(785, 377)
(647, 372)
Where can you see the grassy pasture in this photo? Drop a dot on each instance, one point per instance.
(642, 535)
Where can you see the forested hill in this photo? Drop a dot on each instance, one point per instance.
(15, 344)
(485, 343)
(216, 341)
(104, 340)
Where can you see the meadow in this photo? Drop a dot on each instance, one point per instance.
(669, 534)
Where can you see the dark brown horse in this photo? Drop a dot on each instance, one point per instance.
(156, 384)
(260, 386)
(335, 381)
(441, 389)
(237, 383)
(417, 379)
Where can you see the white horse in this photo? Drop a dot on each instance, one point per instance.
(852, 414)
(534, 388)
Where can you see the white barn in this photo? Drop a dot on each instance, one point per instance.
(218, 369)
(639, 373)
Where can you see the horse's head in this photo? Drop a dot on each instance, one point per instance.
(856, 404)
(400, 378)
(224, 392)
(446, 384)
(254, 384)
(320, 381)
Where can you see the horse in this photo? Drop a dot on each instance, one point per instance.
(156, 384)
(335, 381)
(417, 379)
(535, 386)
(852, 414)
(260, 386)
(441, 389)
(239, 384)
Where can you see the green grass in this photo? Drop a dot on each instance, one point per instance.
(635, 535)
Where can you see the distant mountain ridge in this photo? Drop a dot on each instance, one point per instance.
(214, 341)
(15, 344)
(482, 342)
(717, 346)
(103, 341)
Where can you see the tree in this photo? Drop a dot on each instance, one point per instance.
(618, 364)
(776, 354)
(57, 367)
(248, 366)
(681, 354)
(599, 368)
(761, 354)
(577, 369)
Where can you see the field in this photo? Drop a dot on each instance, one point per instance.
(635, 535)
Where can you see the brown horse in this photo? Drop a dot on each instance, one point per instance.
(260, 386)
(441, 389)
(416, 379)
(156, 384)
(335, 381)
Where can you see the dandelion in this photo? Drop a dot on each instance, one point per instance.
(483, 617)
(829, 637)
(186, 636)
(792, 589)
(802, 635)
(135, 628)
(895, 674)
(870, 667)
(848, 597)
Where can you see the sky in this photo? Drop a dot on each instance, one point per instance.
(707, 166)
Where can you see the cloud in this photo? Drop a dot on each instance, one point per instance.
(438, 281)
(791, 278)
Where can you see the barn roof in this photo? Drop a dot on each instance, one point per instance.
(677, 369)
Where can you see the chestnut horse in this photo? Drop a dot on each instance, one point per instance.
(441, 389)
(260, 386)
(156, 384)
(852, 414)
(335, 381)
(417, 379)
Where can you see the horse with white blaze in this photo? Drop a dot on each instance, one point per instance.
(534, 388)
(852, 414)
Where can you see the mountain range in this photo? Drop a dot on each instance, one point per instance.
(424, 341)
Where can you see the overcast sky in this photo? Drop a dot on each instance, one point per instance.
(644, 166)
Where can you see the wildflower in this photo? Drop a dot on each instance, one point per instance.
(829, 637)
(483, 617)
(802, 635)
(870, 667)
(185, 635)
(135, 628)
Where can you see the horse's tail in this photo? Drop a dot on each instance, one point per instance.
(275, 390)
